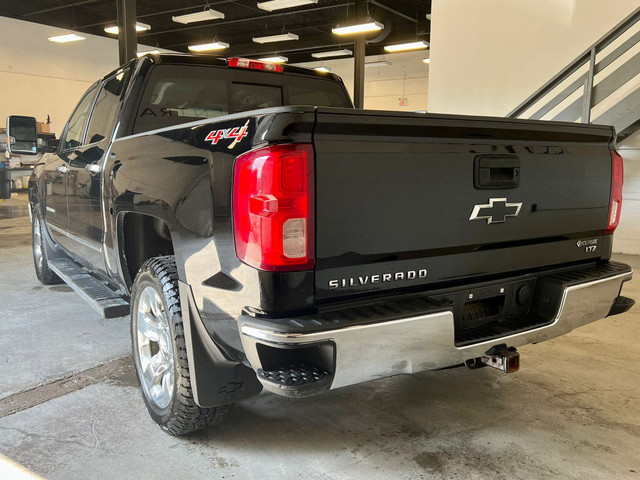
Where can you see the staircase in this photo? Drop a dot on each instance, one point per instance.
(600, 86)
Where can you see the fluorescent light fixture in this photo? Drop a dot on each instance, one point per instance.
(322, 69)
(426, 60)
(332, 53)
(280, 4)
(276, 38)
(381, 63)
(140, 27)
(276, 59)
(205, 47)
(150, 52)
(401, 47)
(371, 26)
(205, 15)
(65, 38)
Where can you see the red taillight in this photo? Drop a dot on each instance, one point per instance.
(254, 64)
(273, 207)
(615, 203)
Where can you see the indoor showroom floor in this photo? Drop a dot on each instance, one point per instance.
(70, 405)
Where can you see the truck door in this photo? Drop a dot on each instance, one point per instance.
(57, 168)
(84, 181)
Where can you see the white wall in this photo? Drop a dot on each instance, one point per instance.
(627, 236)
(39, 77)
(406, 78)
(488, 56)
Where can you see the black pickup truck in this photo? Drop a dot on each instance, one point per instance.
(262, 232)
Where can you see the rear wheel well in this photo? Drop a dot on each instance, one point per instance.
(143, 237)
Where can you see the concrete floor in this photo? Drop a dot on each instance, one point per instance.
(70, 407)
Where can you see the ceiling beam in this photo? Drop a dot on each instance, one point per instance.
(307, 45)
(190, 7)
(245, 19)
(305, 56)
(395, 10)
(154, 14)
(60, 7)
(322, 28)
(254, 49)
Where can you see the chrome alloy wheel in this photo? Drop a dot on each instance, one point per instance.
(37, 243)
(155, 348)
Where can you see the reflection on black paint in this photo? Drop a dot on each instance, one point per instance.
(188, 160)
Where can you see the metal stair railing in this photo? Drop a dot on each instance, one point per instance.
(559, 98)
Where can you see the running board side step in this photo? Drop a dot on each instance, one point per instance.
(105, 300)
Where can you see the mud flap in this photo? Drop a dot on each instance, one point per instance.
(215, 380)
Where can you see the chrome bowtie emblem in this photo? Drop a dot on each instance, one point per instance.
(496, 211)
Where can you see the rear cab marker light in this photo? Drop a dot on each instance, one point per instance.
(254, 64)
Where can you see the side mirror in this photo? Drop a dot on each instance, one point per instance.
(22, 135)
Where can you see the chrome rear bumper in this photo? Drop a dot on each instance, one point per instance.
(426, 342)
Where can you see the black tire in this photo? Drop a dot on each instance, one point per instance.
(182, 415)
(40, 257)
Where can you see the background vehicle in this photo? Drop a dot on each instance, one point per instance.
(21, 150)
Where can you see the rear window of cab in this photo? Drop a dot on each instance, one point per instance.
(177, 94)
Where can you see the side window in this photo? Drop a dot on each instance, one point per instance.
(105, 112)
(178, 94)
(75, 129)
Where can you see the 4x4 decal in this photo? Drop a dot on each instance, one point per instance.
(236, 133)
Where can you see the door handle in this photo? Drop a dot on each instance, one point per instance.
(93, 168)
(496, 171)
(62, 169)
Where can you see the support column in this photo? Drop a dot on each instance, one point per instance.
(358, 77)
(127, 41)
(359, 57)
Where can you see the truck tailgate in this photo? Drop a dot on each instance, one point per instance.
(404, 200)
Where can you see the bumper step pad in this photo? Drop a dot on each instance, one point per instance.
(294, 375)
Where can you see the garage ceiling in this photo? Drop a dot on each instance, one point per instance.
(404, 21)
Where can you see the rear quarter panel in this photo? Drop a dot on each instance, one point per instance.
(178, 176)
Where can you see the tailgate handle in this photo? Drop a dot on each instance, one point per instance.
(496, 171)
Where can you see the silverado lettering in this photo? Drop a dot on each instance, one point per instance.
(381, 278)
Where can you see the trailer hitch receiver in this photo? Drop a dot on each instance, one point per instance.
(503, 358)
